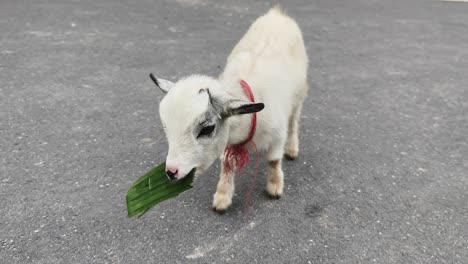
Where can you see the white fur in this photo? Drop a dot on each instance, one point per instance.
(272, 59)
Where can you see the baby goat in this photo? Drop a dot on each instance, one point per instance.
(202, 115)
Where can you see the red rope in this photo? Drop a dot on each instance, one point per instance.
(236, 156)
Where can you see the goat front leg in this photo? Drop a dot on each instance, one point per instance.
(225, 190)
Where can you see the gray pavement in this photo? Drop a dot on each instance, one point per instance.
(382, 176)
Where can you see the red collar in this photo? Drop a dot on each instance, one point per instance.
(253, 127)
(236, 156)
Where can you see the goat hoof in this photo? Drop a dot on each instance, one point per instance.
(274, 196)
(274, 189)
(289, 156)
(219, 211)
(221, 202)
(291, 153)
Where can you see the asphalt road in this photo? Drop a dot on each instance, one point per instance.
(382, 175)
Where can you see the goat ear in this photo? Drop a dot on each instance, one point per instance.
(240, 107)
(162, 84)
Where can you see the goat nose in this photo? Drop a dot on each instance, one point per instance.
(171, 173)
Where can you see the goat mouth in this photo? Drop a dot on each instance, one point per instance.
(190, 174)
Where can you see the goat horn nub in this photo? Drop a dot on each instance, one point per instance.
(154, 79)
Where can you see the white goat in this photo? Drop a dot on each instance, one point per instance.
(202, 115)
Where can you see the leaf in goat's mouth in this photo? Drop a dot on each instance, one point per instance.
(153, 188)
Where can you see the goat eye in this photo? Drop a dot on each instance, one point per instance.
(206, 131)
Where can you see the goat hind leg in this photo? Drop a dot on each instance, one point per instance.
(292, 148)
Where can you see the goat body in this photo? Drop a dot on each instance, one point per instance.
(202, 115)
